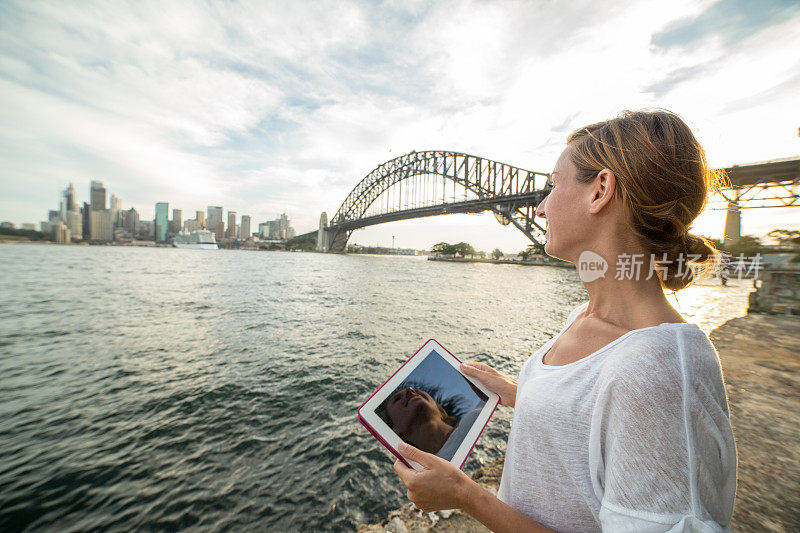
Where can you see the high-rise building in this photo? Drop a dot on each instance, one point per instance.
(68, 201)
(279, 229)
(200, 217)
(130, 221)
(161, 222)
(146, 231)
(244, 228)
(75, 224)
(86, 213)
(53, 215)
(177, 221)
(102, 226)
(115, 206)
(98, 196)
(220, 231)
(191, 225)
(263, 229)
(214, 217)
(61, 233)
(231, 225)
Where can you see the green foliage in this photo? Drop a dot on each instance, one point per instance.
(301, 243)
(444, 248)
(785, 237)
(497, 253)
(532, 249)
(27, 233)
(464, 249)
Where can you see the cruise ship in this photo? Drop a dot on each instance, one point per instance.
(201, 239)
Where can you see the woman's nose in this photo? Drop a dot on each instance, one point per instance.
(540, 208)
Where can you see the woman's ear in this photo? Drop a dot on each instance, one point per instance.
(602, 191)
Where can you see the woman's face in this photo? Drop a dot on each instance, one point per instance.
(409, 408)
(564, 211)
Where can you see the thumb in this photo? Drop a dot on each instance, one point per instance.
(418, 456)
(478, 370)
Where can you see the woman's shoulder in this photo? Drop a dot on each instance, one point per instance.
(664, 357)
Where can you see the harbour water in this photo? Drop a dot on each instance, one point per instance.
(157, 388)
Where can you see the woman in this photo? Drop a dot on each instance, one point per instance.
(621, 421)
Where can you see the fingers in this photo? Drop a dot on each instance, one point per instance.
(402, 471)
(418, 456)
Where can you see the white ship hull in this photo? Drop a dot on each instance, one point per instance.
(197, 246)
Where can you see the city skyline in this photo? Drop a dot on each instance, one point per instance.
(96, 220)
(292, 109)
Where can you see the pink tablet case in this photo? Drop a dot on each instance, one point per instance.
(386, 444)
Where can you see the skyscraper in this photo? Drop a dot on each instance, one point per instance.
(220, 231)
(130, 221)
(115, 206)
(98, 196)
(200, 217)
(86, 213)
(177, 222)
(244, 228)
(161, 221)
(75, 224)
(231, 225)
(68, 202)
(214, 218)
(102, 226)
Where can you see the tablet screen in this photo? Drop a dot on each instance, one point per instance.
(433, 408)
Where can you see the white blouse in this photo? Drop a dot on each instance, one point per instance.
(634, 437)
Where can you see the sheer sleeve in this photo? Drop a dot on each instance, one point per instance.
(662, 452)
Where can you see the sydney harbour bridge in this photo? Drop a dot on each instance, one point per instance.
(436, 182)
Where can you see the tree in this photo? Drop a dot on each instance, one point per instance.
(464, 249)
(536, 248)
(532, 249)
(785, 237)
(482, 254)
(497, 253)
(303, 243)
(444, 248)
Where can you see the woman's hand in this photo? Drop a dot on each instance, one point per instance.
(442, 485)
(496, 382)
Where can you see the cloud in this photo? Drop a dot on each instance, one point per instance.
(280, 106)
(730, 21)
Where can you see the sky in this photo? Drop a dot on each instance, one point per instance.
(270, 107)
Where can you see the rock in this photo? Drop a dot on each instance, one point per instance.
(396, 525)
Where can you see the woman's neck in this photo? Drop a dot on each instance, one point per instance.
(633, 301)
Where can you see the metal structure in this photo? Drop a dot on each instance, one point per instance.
(774, 183)
(435, 182)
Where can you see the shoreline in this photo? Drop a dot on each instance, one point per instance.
(555, 263)
(760, 356)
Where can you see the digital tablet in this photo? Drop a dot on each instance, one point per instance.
(431, 405)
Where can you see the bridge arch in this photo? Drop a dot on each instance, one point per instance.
(510, 192)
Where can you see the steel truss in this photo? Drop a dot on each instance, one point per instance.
(480, 184)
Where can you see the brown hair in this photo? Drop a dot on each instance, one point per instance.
(663, 181)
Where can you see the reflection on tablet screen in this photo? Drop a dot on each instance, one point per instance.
(433, 408)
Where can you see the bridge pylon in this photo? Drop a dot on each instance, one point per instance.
(322, 233)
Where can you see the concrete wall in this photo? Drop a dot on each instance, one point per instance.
(778, 293)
